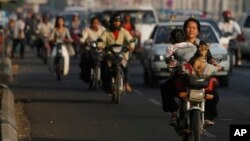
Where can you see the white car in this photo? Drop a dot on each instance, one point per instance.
(154, 51)
(244, 23)
(144, 17)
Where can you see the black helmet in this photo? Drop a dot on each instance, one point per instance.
(115, 17)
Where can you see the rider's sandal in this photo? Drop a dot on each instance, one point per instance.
(208, 123)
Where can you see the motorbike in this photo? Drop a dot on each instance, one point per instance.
(44, 53)
(229, 42)
(116, 70)
(96, 57)
(197, 90)
(76, 35)
(60, 60)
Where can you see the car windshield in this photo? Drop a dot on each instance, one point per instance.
(247, 22)
(138, 16)
(163, 34)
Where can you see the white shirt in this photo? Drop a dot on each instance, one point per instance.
(45, 29)
(90, 35)
(183, 50)
(231, 27)
(19, 30)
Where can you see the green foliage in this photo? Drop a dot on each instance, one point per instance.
(12, 6)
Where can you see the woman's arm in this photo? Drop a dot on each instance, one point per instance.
(68, 35)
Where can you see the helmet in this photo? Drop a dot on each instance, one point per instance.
(115, 18)
(227, 13)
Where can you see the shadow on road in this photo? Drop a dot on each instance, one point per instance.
(70, 101)
(48, 139)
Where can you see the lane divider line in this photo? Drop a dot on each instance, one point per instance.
(138, 92)
(157, 103)
(210, 135)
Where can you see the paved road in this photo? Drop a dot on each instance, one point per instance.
(68, 111)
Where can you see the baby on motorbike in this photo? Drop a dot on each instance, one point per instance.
(191, 58)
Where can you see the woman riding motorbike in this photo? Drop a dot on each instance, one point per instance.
(168, 89)
(61, 34)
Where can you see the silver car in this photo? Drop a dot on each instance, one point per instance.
(154, 49)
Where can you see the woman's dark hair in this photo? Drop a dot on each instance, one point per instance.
(57, 19)
(93, 19)
(177, 36)
(191, 19)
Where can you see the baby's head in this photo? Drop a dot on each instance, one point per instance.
(198, 62)
(203, 49)
(177, 36)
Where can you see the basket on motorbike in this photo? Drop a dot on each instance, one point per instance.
(195, 82)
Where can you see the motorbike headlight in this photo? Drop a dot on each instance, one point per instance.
(196, 95)
(117, 49)
(159, 58)
(220, 56)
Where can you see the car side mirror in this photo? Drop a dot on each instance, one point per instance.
(148, 42)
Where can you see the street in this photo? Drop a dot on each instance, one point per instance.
(68, 111)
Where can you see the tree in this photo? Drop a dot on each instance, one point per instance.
(11, 6)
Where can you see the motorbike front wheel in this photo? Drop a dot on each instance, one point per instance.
(196, 125)
(59, 68)
(118, 87)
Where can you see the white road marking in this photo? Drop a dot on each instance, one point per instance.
(157, 103)
(225, 119)
(210, 135)
(138, 92)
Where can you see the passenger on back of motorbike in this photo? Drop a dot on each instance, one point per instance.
(115, 35)
(89, 35)
(168, 89)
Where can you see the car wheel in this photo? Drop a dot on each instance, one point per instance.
(153, 80)
(224, 81)
(145, 77)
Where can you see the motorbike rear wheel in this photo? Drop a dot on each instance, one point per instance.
(118, 87)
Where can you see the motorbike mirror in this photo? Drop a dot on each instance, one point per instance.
(93, 44)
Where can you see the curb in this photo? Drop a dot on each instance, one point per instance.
(6, 71)
(7, 117)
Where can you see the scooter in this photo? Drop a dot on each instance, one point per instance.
(60, 60)
(191, 123)
(116, 71)
(76, 35)
(96, 56)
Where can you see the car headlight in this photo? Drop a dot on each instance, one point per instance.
(159, 58)
(220, 56)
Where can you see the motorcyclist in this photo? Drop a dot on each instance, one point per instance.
(228, 25)
(168, 89)
(129, 25)
(45, 29)
(89, 34)
(75, 31)
(60, 33)
(115, 34)
(30, 28)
